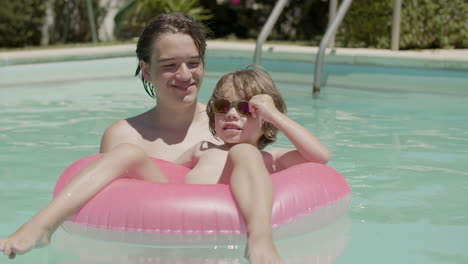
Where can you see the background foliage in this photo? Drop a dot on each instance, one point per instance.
(368, 23)
(133, 18)
(300, 20)
(72, 21)
(424, 24)
(434, 24)
(21, 22)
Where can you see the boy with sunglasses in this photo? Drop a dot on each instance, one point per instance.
(245, 111)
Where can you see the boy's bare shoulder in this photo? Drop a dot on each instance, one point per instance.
(118, 133)
(121, 128)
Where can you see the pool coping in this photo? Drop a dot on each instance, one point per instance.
(433, 59)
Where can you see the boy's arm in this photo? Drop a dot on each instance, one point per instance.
(308, 147)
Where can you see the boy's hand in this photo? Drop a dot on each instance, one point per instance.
(262, 105)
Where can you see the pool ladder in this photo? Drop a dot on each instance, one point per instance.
(279, 6)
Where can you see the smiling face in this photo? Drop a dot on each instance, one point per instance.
(175, 69)
(234, 128)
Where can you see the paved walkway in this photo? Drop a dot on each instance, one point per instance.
(14, 57)
(456, 55)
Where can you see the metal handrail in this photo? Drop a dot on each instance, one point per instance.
(92, 24)
(279, 6)
(323, 44)
(333, 6)
(396, 24)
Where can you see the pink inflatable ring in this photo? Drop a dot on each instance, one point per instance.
(306, 197)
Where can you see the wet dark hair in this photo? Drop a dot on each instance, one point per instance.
(246, 84)
(168, 23)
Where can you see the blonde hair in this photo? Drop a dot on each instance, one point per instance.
(246, 84)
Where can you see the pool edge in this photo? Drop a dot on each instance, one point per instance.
(430, 59)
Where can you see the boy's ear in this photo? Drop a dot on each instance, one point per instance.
(264, 126)
(145, 70)
(264, 130)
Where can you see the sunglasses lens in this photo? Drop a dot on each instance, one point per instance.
(243, 108)
(221, 106)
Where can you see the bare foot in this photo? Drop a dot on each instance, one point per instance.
(262, 250)
(24, 239)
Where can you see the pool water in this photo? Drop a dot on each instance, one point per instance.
(398, 135)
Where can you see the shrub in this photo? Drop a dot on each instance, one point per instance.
(434, 24)
(133, 18)
(368, 23)
(424, 24)
(300, 20)
(21, 22)
(72, 21)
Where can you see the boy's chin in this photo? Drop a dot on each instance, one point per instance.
(231, 141)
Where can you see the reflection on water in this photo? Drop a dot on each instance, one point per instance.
(318, 247)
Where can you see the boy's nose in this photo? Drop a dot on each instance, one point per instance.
(183, 72)
(232, 114)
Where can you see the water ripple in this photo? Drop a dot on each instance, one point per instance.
(420, 168)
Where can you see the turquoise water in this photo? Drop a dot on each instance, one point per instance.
(398, 135)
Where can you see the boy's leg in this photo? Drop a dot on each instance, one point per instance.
(90, 180)
(252, 188)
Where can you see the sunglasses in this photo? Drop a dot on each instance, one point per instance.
(222, 106)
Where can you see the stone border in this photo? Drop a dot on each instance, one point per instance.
(434, 59)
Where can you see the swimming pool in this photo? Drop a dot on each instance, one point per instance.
(398, 135)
